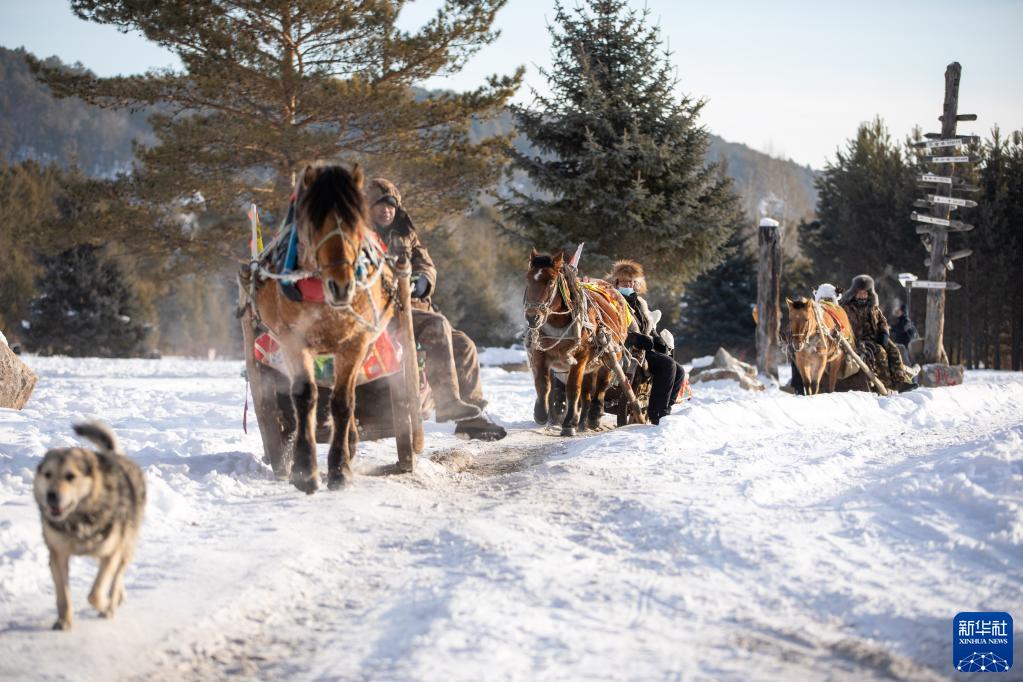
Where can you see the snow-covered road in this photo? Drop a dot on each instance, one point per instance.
(747, 537)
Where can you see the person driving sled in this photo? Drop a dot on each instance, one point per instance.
(452, 364)
(873, 336)
(629, 279)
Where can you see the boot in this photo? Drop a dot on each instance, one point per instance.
(456, 411)
(480, 428)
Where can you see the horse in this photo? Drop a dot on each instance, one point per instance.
(812, 327)
(571, 329)
(337, 247)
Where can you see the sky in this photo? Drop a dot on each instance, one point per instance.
(793, 79)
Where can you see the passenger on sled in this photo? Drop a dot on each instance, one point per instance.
(452, 364)
(668, 376)
(873, 335)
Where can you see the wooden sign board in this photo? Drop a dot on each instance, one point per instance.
(961, 117)
(952, 159)
(951, 201)
(934, 144)
(939, 179)
(924, 203)
(956, 226)
(925, 284)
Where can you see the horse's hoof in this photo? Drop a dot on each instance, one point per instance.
(567, 430)
(307, 484)
(337, 482)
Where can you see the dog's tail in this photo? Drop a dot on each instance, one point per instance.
(100, 434)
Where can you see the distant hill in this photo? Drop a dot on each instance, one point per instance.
(34, 124)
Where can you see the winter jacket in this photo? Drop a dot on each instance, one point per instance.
(868, 322)
(903, 330)
(401, 235)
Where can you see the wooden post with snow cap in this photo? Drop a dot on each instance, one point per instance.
(768, 296)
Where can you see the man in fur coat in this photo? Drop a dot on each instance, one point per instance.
(452, 364)
(629, 279)
(873, 336)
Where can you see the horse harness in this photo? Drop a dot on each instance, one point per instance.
(820, 332)
(372, 256)
(542, 331)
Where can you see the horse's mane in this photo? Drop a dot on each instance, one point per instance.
(334, 191)
(800, 303)
(541, 261)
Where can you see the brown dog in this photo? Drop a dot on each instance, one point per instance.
(91, 504)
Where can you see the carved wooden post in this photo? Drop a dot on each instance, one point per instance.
(934, 336)
(768, 296)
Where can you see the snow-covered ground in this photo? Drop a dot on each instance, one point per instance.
(748, 537)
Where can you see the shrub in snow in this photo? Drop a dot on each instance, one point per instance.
(85, 307)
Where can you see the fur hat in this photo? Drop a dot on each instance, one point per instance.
(629, 269)
(824, 291)
(378, 189)
(861, 283)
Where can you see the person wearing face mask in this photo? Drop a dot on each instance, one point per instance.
(668, 376)
(873, 335)
(452, 363)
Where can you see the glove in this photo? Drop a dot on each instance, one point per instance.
(420, 285)
(668, 339)
(641, 341)
(883, 341)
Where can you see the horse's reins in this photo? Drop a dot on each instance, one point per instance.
(819, 332)
(569, 332)
(363, 251)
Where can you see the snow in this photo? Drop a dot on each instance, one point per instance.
(750, 536)
(494, 357)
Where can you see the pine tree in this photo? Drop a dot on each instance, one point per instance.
(717, 308)
(619, 155)
(84, 308)
(268, 86)
(865, 198)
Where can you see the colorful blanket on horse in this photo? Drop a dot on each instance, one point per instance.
(383, 358)
(613, 311)
(835, 315)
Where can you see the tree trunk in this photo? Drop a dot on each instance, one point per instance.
(768, 297)
(934, 338)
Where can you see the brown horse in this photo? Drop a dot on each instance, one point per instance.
(811, 338)
(358, 294)
(571, 329)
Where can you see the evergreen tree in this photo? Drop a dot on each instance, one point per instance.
(84, 308)
(717, 308)
(620, 161)
(865, 198)
(269, 85)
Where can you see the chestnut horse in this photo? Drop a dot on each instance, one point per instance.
(358, 293)
(812, 326)
(571, 329)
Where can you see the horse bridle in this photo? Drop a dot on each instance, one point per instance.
(337, 232)
(543, 308)
(817, 319)
(360, 280)
(806, 336)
